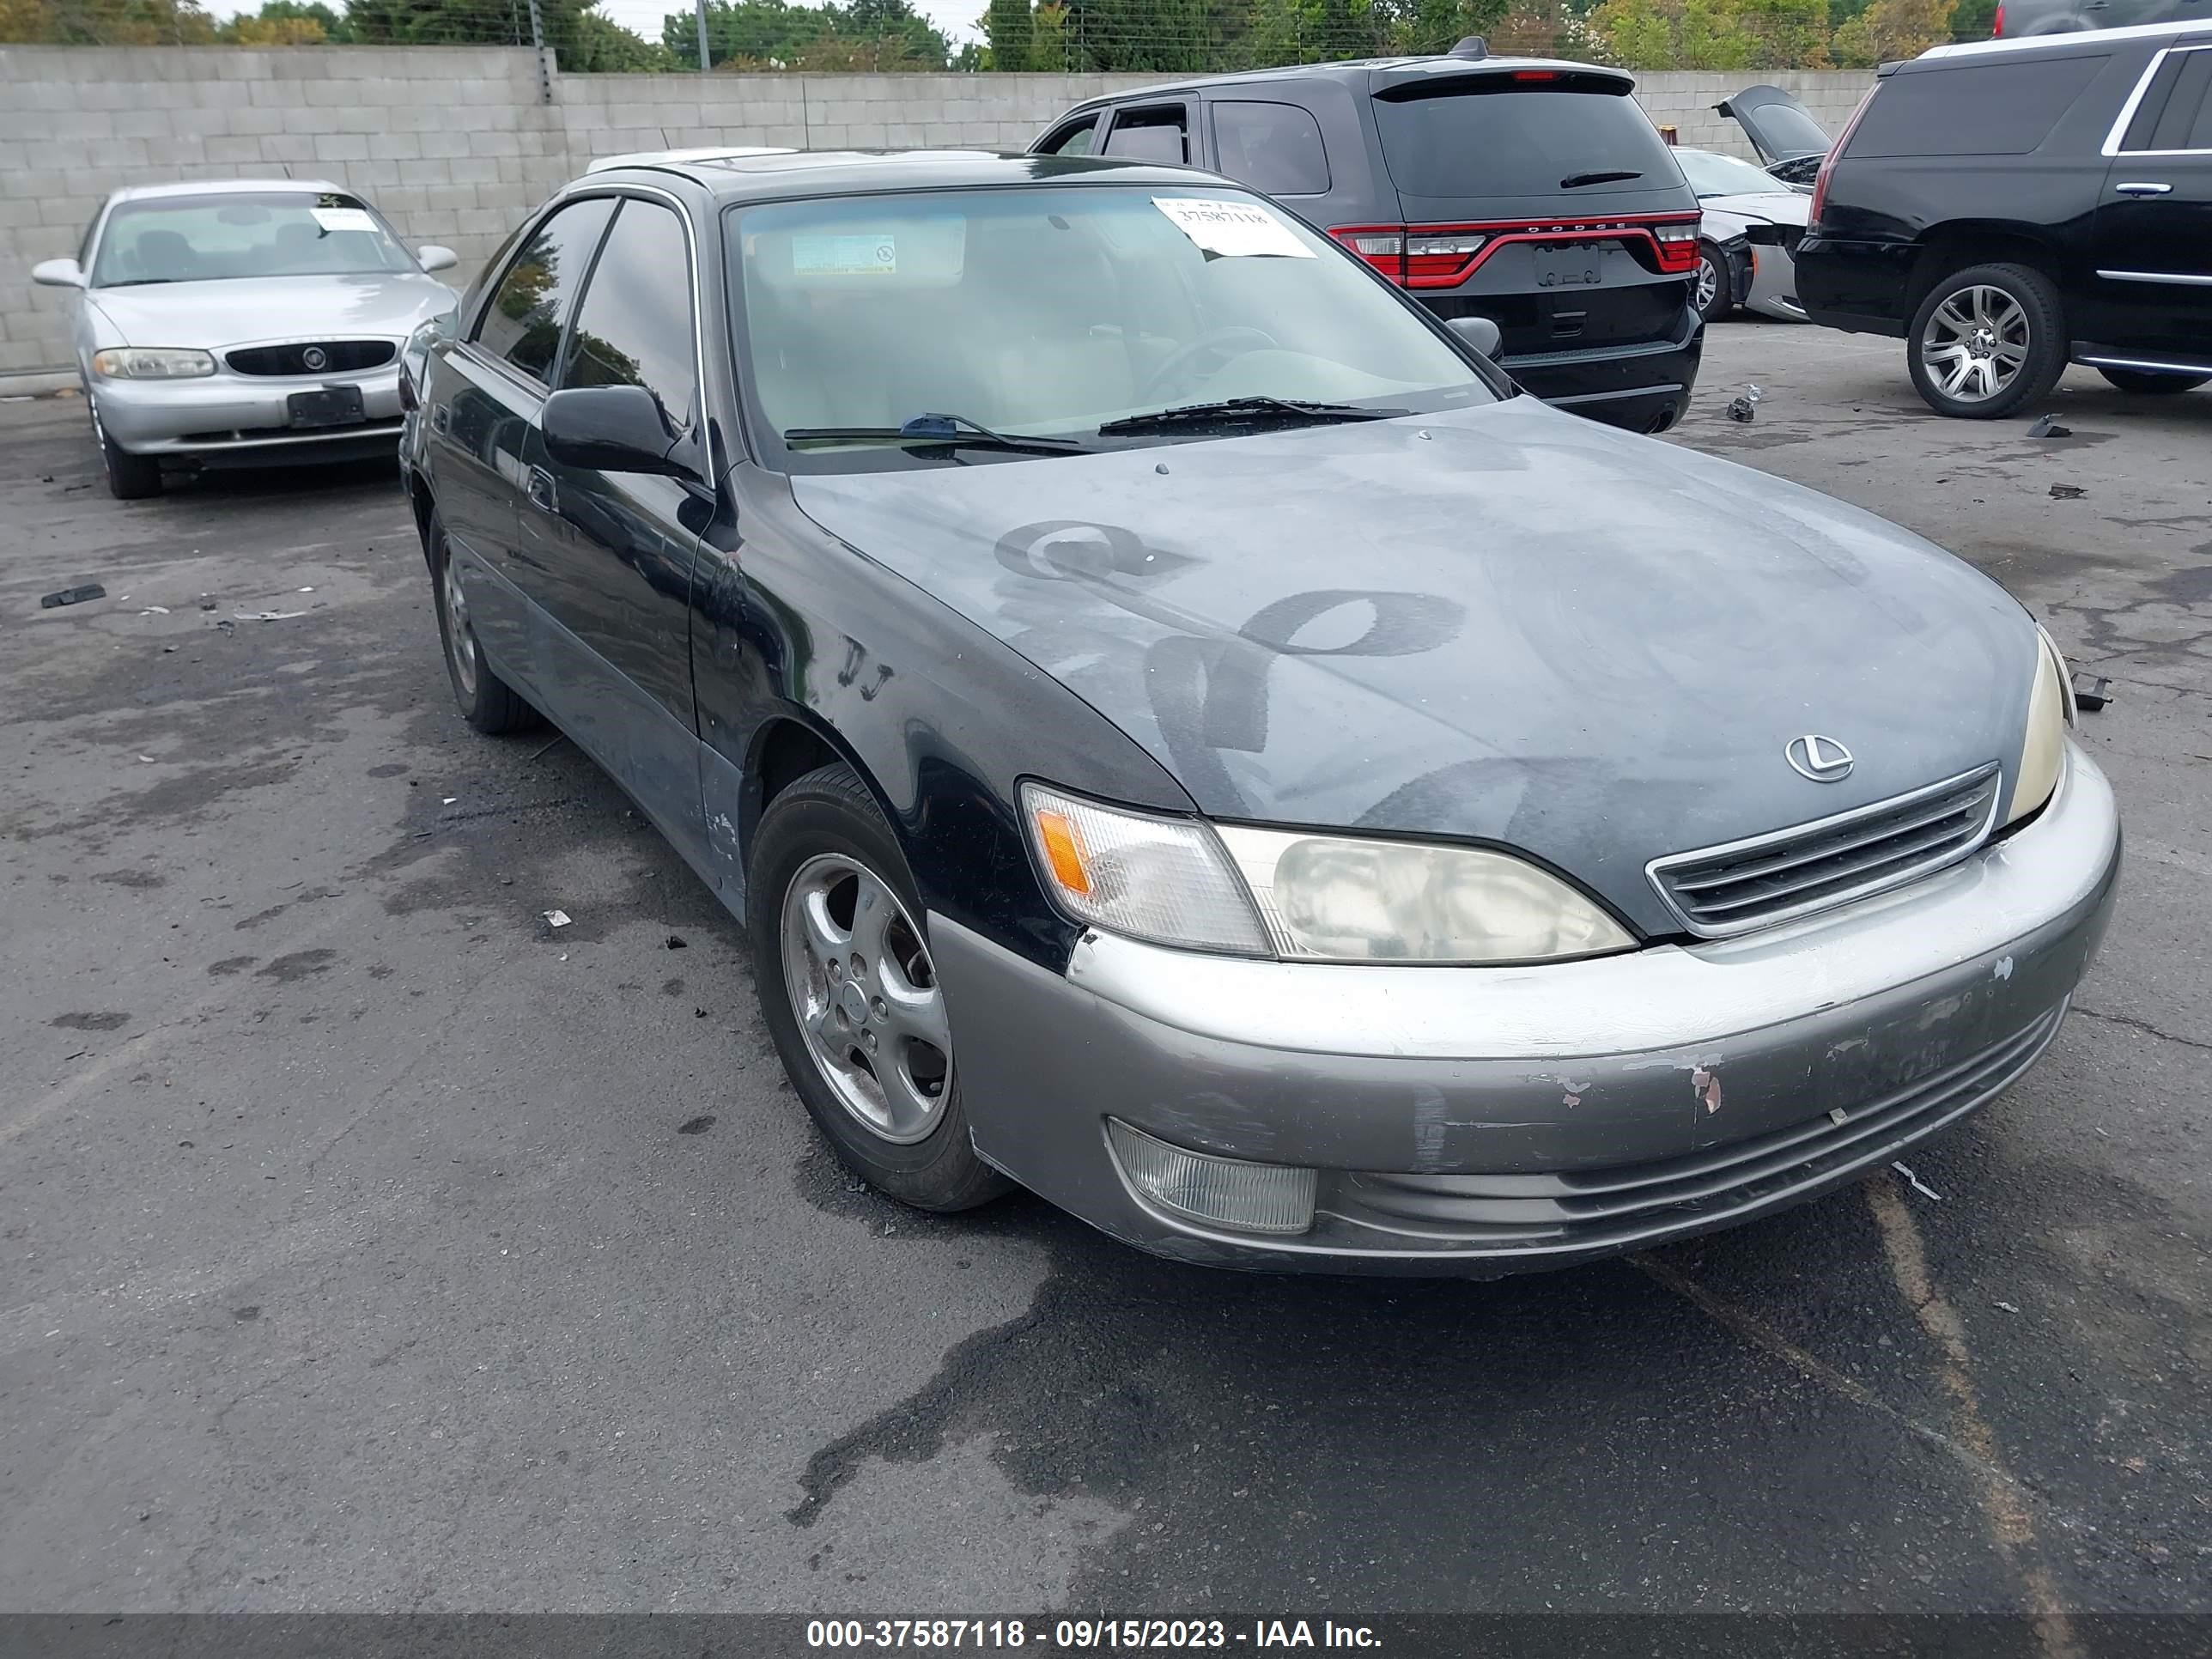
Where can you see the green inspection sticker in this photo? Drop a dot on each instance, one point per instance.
(865, 255)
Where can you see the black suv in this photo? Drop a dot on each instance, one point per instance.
(1535, 193)
(2010, 206)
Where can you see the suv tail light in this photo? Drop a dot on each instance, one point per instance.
(1828, 162)
(1678, 245)
(1997, 24)
(1444, 256)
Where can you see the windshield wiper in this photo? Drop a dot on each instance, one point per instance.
(1617, 176)
(142, 281)
(1235, 411)
(936, 429)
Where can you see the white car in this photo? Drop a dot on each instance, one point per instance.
(243, 322)
(1738, 200)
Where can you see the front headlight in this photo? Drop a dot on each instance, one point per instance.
(1303, 896)
(2050, 712)
(152, 363)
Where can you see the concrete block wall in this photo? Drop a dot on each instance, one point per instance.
(457, 143)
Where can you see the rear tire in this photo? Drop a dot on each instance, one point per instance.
(486, 702)
(1711, 290)
(130, 477)
(868, 1046)
(2151, 383)
(1986, 340)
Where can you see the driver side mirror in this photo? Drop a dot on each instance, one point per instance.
(431, 257)
(613, 428)
(1478, 331)
(58, 273)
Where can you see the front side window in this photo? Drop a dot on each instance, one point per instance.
(634, 327)
(1276, 148)
(1150, 135)
(208, 239)
(1080, 139)
(530, 305)
(1055, 311)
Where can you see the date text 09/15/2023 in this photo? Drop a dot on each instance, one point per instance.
(1085, 1635)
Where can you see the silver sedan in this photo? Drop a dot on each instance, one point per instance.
(243, 322)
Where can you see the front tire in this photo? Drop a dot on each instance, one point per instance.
(843, 969)
(1712, 291)
(130, 477)
(2150, 383)
(486, 702)
(1986, 340)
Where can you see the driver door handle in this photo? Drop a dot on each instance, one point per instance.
(541, 488)
(2144, 190)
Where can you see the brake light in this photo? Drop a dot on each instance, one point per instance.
(1678, 245)
(1535, 75)
(1997, 24)
(1828, 161)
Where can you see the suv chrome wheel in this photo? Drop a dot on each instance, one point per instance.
(460, 641)
(1976, 343)
(1709, 284)
(866, 997)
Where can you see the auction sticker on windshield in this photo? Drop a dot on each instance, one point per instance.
(1232, 229)
(343, 218)
(844, 256)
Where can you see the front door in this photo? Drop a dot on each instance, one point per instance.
(2153, 243)
(610, 554)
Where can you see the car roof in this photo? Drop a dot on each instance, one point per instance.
(787, 174)
(2077, 40)
(1360, 72)
(231, 187)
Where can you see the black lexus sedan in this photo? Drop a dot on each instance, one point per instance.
(1182, 735)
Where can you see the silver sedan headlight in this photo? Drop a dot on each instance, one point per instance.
(2049, 713)
(152, 363)
(1305, 897)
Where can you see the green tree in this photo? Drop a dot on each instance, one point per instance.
(1011, 27)
(865, 35)
(1889, 29)
(106, 22)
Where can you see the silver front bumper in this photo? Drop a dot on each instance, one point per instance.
(227, 412)
(1478, 1119)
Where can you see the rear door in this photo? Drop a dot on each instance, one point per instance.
(1156, 131)
(2152, 242)
(484, 400)
(1536, 197)
(610, 554)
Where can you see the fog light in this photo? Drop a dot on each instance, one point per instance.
(1251, 1198)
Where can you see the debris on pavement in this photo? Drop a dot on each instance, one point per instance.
(2047, 426)
(2008, 1307)
(149, 759)
(547, 748)
(2067, 492)
(697, 1126)
(1918, 1184)
(73, 596)
(155, 611)
(557, 918)
(1741, 410)
(676, 942)
(267, 615)
(2090, 691)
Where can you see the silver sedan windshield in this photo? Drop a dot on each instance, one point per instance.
(200, 238)
(1055, 311)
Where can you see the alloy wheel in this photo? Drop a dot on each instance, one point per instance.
(1976, 344)
(1709, 284)
(460, 639)
(866, 998)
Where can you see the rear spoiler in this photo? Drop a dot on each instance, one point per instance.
(1445, 78)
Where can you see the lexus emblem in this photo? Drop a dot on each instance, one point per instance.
(316, 358)
(1821, 759)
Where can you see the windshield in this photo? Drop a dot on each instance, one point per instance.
(202, 239)
(1711, 174)
(1040, 311)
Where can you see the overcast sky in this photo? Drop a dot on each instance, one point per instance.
(956, 18)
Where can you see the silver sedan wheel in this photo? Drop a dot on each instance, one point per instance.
(1976, 344)
(1709, 283)
(461, 639)
(866, 995)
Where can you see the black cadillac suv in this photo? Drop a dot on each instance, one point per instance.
(2011, 206)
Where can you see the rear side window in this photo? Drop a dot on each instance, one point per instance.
(1276, 148)
(523, 322)
(2176, 113)
(1510, 139)
(1150, 135)
(1973, 109)
(634, 326)
(1080, 139)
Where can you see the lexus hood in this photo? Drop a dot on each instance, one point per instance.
(1506, 624)
(250, 310)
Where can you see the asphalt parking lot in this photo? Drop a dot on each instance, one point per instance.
(370, 1245)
